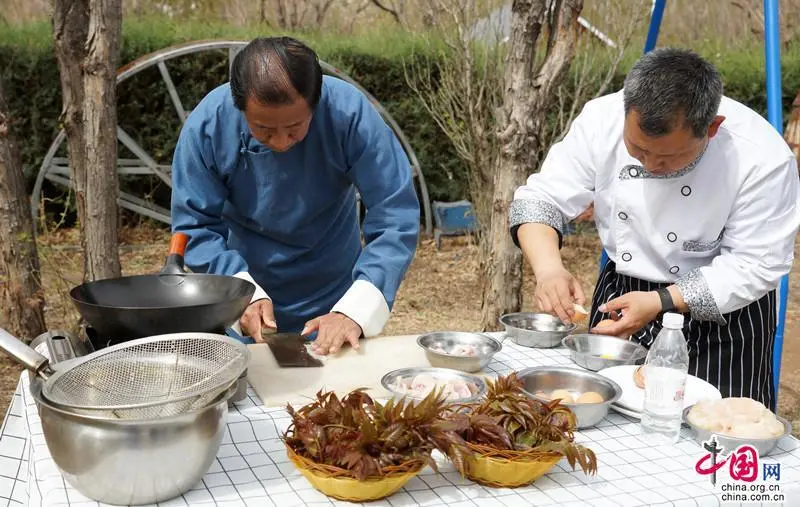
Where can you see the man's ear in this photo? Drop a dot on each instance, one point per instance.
(714, 127)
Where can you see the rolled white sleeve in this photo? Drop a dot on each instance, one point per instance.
(365, 305)
(564, 186)
(259, 294)
(757, 246)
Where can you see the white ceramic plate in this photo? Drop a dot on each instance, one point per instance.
(625, 411)
(632, 398)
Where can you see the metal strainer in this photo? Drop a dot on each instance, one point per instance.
(158, 376)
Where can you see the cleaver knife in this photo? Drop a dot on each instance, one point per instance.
(290, 350)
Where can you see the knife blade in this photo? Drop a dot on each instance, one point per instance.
(290, 350)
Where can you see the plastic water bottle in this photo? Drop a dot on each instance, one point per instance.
(665, 371)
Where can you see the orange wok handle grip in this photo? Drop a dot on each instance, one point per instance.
(177, 244)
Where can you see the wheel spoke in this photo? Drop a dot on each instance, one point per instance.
(173, 92)
(143, 156)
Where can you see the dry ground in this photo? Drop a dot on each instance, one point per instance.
(441, 292)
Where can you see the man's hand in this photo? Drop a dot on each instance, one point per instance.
(557, 291)
(333, 330)
(637, 310)
(258, 315)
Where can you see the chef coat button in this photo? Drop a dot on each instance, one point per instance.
(634, 172)
(672, 237)
(674, 269)
(622, 215)
(626, 257)
(686, 190)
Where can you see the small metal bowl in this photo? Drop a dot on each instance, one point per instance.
(596, 351)
(764, 446)
(576, 381)
(448, 341)
(540, 330)
(437, 373)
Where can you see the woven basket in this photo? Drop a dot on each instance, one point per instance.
(509, 469)
(337, 482)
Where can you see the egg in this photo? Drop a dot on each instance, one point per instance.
(590, 397)
(562, 394)
(580, 314)
(638, 377)
(604, 323)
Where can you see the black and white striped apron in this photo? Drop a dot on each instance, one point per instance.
(736, 358)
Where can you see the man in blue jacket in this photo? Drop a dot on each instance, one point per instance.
(264, 182)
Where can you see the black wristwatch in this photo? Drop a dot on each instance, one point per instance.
(667, 305)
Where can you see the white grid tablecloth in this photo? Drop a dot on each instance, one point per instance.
(252, 468)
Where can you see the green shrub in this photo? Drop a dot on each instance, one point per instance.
(31, 79)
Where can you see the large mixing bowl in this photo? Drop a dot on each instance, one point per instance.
(546, 379)
(133, 462)
(539, 330)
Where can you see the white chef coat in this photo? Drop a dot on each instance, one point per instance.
(722, 229)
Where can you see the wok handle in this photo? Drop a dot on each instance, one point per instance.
(177, 244)
(177, 249)
(25, 355)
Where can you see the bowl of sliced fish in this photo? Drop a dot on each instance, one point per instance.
(457, 350)
(415, 384)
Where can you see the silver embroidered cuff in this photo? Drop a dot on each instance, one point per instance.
(698, 297)
(524, 211)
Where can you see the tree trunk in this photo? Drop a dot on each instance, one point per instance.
(70, 26)
(86, 37)
(100, 124)
(526, 99)
(21, 293)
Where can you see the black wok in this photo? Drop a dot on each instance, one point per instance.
(170, 302)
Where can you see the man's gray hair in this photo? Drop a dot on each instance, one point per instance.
(666, 86)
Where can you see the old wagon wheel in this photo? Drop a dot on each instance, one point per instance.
(55, 168)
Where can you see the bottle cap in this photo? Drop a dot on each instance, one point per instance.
(673, 320)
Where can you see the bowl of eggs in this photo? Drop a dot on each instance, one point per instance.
(596, 352)
(588, 395)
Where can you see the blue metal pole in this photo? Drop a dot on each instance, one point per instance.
(655, 25)
(772, 53)
(649, 45)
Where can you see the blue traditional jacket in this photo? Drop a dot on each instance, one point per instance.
(287, 220)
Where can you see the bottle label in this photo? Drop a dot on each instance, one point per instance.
(664, 389)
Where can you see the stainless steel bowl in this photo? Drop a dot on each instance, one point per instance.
(438, 374)
(241, 389)
(539, 330)
(596, 351)
(441, 350)
(764, 446)
(549, 378)
(133, 462)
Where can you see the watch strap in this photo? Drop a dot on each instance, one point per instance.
(667, 305)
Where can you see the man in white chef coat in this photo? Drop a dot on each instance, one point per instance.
(696, 203)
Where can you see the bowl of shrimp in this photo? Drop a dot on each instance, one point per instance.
(457, 350)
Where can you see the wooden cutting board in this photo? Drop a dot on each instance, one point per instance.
(348, 370)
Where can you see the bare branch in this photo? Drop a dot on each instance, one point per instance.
(396, 15)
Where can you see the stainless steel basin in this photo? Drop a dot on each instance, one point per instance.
(133, 462)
